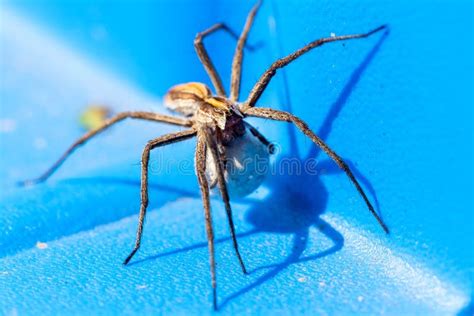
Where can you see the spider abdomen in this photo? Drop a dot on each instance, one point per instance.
(247, 162)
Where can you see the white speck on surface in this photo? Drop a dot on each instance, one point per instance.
(141, 287)
(7, 125)
(40, 143)
(360, 298)
(322, 284)
(302, 279)
(41, 245)
(333, 34)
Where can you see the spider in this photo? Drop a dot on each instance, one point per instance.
(218, 122)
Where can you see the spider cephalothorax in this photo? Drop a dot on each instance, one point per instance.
(245, 150)
(194, 99)
(224, 139)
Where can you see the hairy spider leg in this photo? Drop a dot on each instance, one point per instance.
(206, 60)
(219, 160)
(119, 117)
(200, 157)
(236, 73)
(264, 80)
(157, 142)
(276, 115)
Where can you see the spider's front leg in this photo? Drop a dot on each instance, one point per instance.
(236, 73)
(206, 60)
(158, 142)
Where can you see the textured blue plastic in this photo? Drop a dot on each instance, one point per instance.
(397, 106)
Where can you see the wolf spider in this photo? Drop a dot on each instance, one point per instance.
(217, 120)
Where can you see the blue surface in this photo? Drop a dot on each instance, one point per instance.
(397, 106)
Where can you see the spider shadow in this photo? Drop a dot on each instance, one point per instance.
(297, 200)
(294, 205)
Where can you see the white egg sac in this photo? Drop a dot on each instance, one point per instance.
(247, 164)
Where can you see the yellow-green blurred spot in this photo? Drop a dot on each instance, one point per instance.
(94, 116)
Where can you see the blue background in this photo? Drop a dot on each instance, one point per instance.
(397, 106)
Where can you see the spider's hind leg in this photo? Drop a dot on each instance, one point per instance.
(303, 127)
